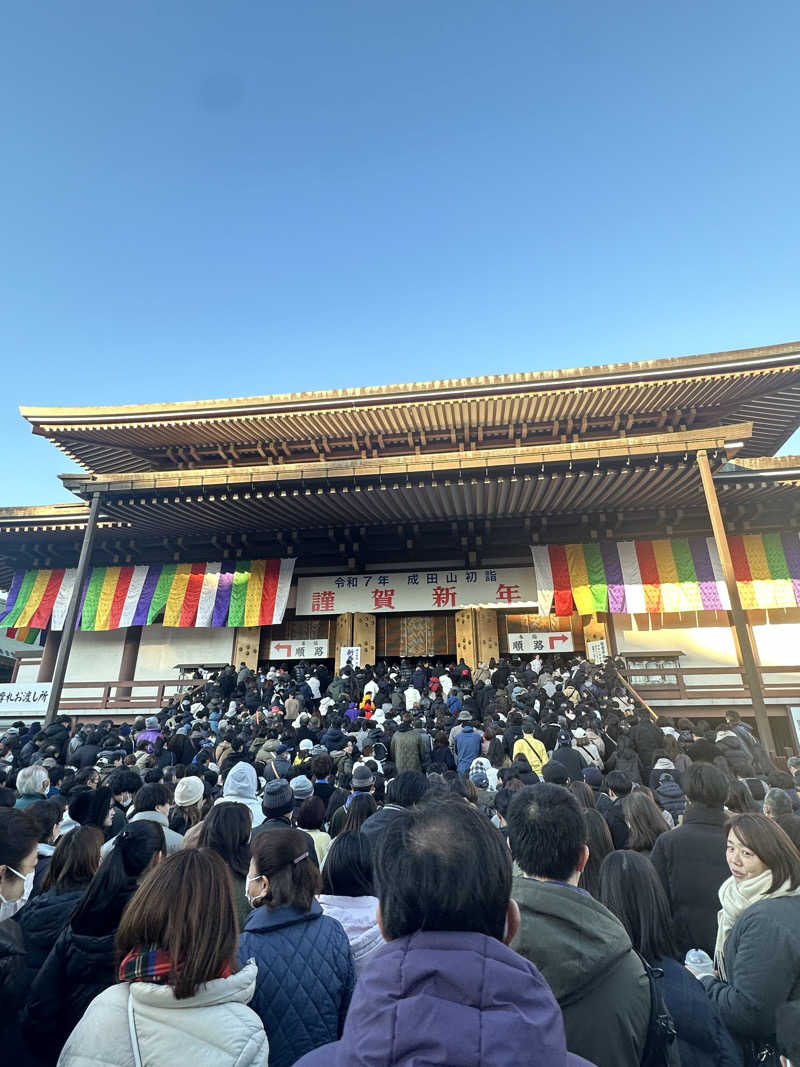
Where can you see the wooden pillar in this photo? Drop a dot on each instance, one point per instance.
(364, 635)
(48, 660)
(246, 645)
(466, 642)
(343, 638)
(744, 637)
(130, 654)
(486, 630)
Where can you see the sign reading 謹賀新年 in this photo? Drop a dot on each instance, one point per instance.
(24, 697)
(544, 641)
(311, 648)
(442, 589)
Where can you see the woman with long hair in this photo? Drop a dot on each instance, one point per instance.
(226, 830)
(757, 954)
(305, 967)
(311, 818)
(348, 894)
(180, 996)
(189, 804)
(81, 963)
(600, 843)
(359, 810)
(631, 889)
(644, 820)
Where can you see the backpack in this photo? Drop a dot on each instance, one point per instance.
(661, 1031)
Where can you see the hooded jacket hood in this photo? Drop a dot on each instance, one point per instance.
(358, 916)
(240, 788)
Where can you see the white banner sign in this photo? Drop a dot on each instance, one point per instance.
(597, 651)
(440, 589)
(24, 697)
(541, 642)
(311, 648)
(351, 653)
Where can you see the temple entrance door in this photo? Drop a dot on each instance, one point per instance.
(416, 636)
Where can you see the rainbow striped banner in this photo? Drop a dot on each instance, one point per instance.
(682, 574)
(225, 593)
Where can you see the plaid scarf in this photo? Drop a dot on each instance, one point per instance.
(151, 964)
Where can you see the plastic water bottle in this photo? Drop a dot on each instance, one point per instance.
(699, 962)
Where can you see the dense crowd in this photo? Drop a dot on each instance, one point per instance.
(417, 863)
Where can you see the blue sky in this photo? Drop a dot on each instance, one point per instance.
(204, 199)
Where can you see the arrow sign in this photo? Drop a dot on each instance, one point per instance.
(560, 638)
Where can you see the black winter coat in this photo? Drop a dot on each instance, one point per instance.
(571, 760)
(690, 861)
(615, 817)
(647, 738)
(81, 964)
(12, 991)
(737, 755)
(41, 921)
(703, 1039)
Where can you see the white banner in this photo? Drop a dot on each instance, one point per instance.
(351, 653)
(597, 651)
(311, 648)
(541, 642)
(24, 697)
(440, 589)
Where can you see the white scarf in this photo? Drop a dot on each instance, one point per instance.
(735, 897)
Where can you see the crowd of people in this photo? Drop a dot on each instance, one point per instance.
(411, 863)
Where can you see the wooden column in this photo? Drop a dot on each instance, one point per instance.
(344, 637)
(364, 635)
(466, 642)
(486, 630)
(744, 637)
(48, 660)
(130, 654)
(246, 645)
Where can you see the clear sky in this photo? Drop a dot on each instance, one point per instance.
(203, 199)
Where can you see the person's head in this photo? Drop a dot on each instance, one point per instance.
(776, 802)
(199, 942)
(19, 838)
(618, 784)
(348, 866)
(138, 847)
(124, 785)
(361, 806)
(631, 889)
(152, 797)
(281, 872)
(311, 814)
(407, 789)
(583, 793)
(706, 785)
(443, 866)
(33, 780)
(740, 799)
(226, 830)
(189, 797)
(75, 860)
(644, 820)
(757, 844)
(599, 843)
(89, 776)
(47, 815)
(91, 807)
(547, 833)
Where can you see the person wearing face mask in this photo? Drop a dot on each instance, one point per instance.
(757, 954)
(33, 783)
(124, 785)
(19, 837)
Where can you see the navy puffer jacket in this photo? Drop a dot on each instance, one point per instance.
(669, 796)
(305, 978)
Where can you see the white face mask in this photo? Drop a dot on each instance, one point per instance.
(252, 901)
(11, 907)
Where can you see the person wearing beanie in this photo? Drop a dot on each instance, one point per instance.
(556, 773)
(277, 811)
(151, 732)
(240, 787)
(302, 787)
(189, 799)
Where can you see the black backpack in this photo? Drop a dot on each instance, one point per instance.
(661, 1032)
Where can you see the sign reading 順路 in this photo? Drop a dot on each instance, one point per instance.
(311, 648)
(544, 641)
(440, 589)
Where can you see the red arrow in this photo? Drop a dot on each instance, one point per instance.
(557, 637)
(287, 647)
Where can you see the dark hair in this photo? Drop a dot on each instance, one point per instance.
(644, 819)
(292, 880)
(321, 765)
(600, 842)
(46, 814)
(583, 793)
(361, 806)
(150, 797)
(771, 844)
(19, 835)
(8, 797)
(631, 889)
(133, 852)
(311, 813)
(75, 860)
(200, 942)
(348, 866)
(546, 831)
(226, 831)
(739, 798)
(703, 783)
(407, 789)
(619, 782)
(124, 781)
(443, 866)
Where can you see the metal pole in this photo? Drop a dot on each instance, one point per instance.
(62, 659)
(749, 665)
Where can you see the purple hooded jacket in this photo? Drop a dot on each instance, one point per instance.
(446, 998)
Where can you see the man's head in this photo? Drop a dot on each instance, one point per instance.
(153, 797)
(527, 726)
(443, 866)
(31, 780)
(706, 784)
(618, 784)
(407, 789)
(777, 802)
(547, 833)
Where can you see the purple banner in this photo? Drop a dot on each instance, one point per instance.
(224, 589)
(791, 549)
(13, 593)
(614, 579)
(709, 593)
(146, 595)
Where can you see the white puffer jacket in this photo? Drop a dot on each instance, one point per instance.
(358, 916)
(214, 1028)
